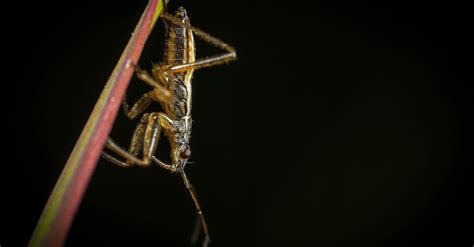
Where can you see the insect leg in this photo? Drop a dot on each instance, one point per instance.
(114, 160)
(146, 77)
(145, 138)
(136, 144)
(138, 107)
(164, 165)
(202, 220)
(204, 62)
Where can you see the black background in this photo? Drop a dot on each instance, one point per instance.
(345, 125)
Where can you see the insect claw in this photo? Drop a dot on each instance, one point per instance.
(138, 70)
(134, 65)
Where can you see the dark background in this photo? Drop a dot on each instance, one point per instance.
(346, 125)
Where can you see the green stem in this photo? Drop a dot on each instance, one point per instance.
(58, 214)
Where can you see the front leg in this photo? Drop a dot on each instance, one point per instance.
(137, 108)
(145, 139)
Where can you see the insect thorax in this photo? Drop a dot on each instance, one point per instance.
(179, 135)
(183, 130)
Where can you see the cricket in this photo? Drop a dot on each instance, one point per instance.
(171, 87)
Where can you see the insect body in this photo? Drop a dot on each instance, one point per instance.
(171, 82)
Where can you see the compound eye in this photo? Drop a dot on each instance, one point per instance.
(185, 154)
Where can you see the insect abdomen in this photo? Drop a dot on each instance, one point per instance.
(180, 50)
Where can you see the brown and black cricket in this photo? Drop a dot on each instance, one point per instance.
(171, 82)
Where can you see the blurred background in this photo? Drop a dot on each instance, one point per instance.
(346, 125)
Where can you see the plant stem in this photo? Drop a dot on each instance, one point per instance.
(58, 214)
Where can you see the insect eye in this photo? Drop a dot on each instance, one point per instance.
(185, 154)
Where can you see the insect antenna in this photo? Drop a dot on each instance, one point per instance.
(200, 215)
